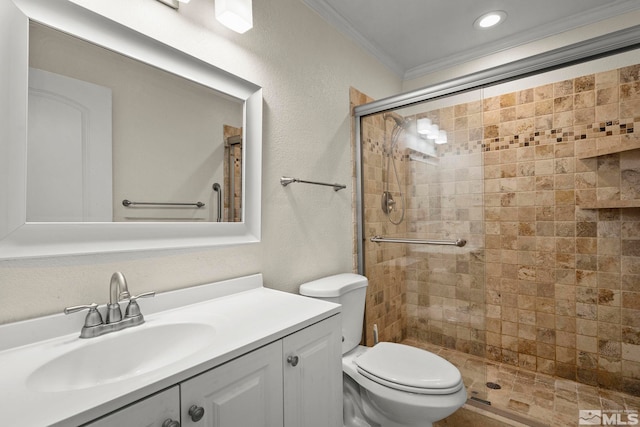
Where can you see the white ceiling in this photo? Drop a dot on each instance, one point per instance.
(416, 37)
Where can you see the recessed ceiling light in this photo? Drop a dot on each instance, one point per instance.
(490, 19)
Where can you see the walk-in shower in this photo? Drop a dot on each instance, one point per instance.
(520, 182)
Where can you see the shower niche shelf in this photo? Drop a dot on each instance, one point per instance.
(602, 150)
(611, 204)
(609, 149)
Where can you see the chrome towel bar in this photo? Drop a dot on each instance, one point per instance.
(458, 242)
(286, 181)
(129, 203)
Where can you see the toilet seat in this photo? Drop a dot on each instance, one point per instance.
(410, 369)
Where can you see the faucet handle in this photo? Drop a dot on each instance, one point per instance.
(143, 295)
(133, 309)
(94, 318)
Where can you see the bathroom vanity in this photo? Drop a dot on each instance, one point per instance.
(231, 353)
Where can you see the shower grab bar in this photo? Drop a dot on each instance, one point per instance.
(218, 189)
(458, 242)
(286, 181)
(129, 203)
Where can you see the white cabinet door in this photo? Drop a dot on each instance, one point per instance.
(245, 392)
(150, 412)
(313, 376)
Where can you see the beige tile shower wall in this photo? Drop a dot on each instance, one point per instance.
(236, 155)
(562, 282)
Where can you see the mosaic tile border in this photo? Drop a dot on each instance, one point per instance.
(573, 133)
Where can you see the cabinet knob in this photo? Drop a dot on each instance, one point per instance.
(170, 423)
(196, 413)
(293, 360)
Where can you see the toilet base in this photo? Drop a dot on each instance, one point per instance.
(352, 406)
(358, 413)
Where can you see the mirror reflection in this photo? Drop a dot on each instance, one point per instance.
(114, 139)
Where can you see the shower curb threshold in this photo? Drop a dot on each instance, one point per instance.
(502, 415)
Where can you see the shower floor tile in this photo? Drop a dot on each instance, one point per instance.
(528, 398)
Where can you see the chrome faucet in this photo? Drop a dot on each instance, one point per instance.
(118, 291)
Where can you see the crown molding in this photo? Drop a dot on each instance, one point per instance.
(334, 18)
(586, 17)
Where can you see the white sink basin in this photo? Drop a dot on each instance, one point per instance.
(120, 356)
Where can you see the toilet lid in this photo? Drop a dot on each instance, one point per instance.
(407, 368)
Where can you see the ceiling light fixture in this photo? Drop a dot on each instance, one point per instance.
(442, 137)
(235, 14)
(490, 19)
(426, 128)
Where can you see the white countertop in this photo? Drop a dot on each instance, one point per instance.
(245, 316)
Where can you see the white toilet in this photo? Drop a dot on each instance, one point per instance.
(388, 385)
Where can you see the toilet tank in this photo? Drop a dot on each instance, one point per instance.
(349, 290)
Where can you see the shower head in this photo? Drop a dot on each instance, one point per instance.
(401, 122)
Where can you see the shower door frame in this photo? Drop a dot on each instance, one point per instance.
(587, 50)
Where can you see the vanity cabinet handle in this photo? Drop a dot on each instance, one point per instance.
(196, 413)
(293, 360)
(170, 423)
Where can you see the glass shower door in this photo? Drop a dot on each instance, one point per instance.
(423, 185)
